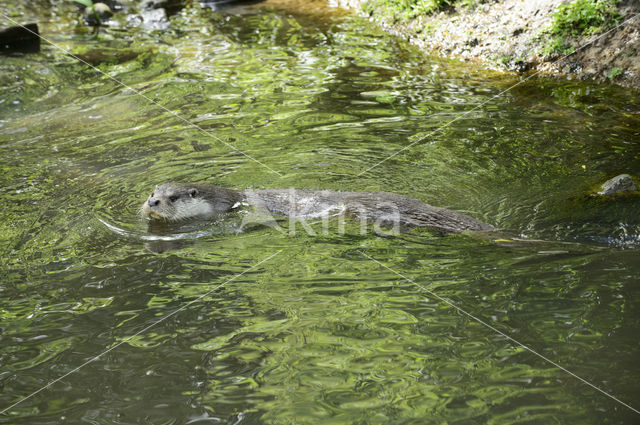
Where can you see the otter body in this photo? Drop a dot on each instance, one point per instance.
(179, 201)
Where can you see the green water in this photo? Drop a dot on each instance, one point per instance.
(319, 333)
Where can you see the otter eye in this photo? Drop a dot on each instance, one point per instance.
(153, 194)
(173, 198)
(193, 192)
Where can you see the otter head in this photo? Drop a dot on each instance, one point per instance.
(174, 202)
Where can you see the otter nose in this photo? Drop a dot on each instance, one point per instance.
(152, 202)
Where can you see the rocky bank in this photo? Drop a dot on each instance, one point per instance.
(509, 35)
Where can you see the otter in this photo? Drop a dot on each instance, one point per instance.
(179, 201)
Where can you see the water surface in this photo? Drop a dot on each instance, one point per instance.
(319, 333)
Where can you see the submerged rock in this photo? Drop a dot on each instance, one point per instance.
(100, 13)
(20, 38)
(151, 19)
(620, 183)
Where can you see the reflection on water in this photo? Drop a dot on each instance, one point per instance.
(319, 333)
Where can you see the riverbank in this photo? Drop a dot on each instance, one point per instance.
(514, 35)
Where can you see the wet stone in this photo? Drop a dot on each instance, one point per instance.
(620, 183)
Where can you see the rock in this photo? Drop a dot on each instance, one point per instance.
(103, 10)
(20, 38)
(521, 65)
(473, 42)
(100, 13)
(151, 19)
(155, 19)
(618, 184)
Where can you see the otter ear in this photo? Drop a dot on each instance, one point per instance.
(193, 192)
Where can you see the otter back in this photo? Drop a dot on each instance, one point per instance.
(382, 207)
